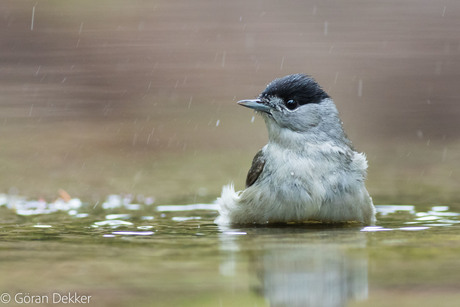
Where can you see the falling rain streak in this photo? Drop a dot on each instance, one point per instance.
(33, 17)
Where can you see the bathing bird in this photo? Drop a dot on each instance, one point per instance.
(308, 171)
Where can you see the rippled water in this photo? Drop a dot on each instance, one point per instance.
(124, 251)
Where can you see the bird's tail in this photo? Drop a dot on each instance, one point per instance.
(228, 201)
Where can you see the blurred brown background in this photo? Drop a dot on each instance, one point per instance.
(139, 96)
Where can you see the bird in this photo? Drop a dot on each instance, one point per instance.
(308, 171)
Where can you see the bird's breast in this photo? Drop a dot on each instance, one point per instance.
(315, 172)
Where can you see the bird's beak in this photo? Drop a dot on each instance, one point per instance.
(255, 104)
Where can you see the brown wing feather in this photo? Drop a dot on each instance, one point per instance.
(256, 168)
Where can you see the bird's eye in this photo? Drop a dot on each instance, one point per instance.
(291, 104)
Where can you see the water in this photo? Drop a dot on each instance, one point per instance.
(141, 254)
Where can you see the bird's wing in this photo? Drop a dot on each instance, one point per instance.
(256, 168)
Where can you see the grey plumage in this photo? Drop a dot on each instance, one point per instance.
(308, 170)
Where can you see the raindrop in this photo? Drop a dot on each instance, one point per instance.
(33, 17)
(81, 28)
(282, 63)
(218, 123)
(326, 25)
(252, 119)
(95, 205)
(150, 135)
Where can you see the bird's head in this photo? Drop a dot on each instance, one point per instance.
(296, 105)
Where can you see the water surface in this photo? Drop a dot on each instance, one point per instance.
(124, 252)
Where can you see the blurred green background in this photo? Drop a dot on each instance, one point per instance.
(139, 96)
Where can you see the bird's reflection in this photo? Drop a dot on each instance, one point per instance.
(301, 266)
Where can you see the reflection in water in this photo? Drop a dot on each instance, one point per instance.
(316, 275)
(304, 272)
